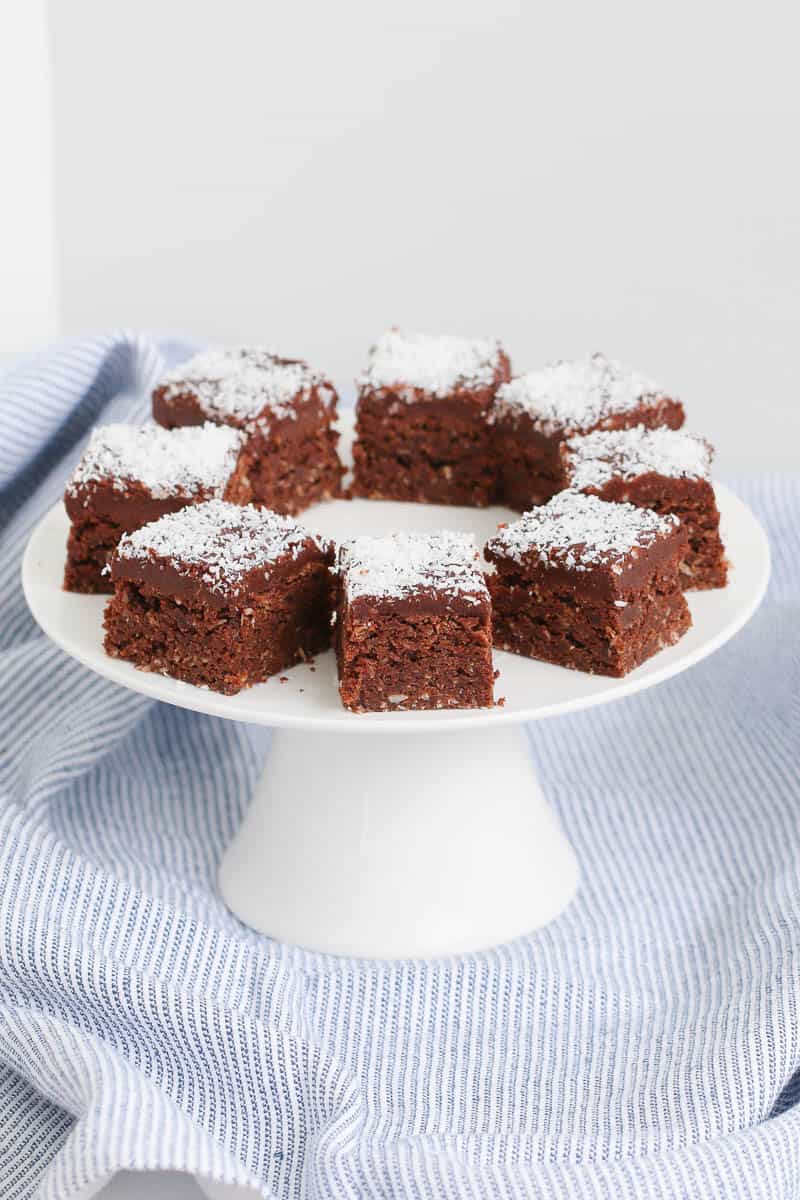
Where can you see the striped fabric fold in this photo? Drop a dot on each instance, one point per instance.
(646, 1044)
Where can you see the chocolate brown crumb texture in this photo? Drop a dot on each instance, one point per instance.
(413, 627)
(130, 475)
(422, 431)
(588, 585)
(666, 470)
(220, 596)
(285, 409)
(535, 413)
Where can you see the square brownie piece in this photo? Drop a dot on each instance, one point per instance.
(663, 469)
(534, 413)
(284, 408)
(422, 431)
(132, 474)
(413, 627)
(220, 595)
(588, 585)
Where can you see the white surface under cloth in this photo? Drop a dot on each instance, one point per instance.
(644, 1044)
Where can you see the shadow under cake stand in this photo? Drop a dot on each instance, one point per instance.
(403, 834)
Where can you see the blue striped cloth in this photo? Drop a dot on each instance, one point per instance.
(643, 1045)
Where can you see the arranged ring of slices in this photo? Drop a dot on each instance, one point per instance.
(189, 523)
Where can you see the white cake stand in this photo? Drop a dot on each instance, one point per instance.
(399, 834)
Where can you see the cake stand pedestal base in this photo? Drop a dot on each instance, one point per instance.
(399, 845)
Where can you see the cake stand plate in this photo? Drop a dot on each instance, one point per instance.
(403, 834)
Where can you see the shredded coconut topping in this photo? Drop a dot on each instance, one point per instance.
(597, 457)
(242, 383)
(437, 365)
(581, 532)
(404, 563)
(226, 540)
(576, 395)
(167, 462)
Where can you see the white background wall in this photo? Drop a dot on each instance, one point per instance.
(29, 300)
(570, 176)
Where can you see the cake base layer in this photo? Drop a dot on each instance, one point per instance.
(431, 451)
(89, 547)
(225, 649)
(288, 476)
(705, 565)
(470, 482)
(424, 661)
(529, 469)
(596, 636)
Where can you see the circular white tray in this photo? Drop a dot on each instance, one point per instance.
(434, 840)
